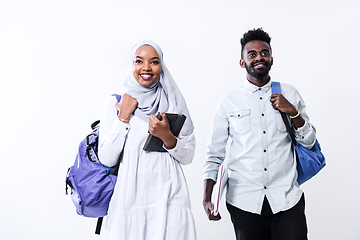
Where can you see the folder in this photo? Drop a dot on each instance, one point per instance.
(220, 188)
(176, 122)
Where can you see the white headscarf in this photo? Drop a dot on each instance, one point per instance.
(164, 95)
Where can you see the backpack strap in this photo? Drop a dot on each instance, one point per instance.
(276, 89)
(116, 169)
(118, 98)
(98, 225)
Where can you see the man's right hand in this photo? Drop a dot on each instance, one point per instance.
(209, 209)
(207, 204)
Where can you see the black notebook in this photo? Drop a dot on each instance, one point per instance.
(176, 122)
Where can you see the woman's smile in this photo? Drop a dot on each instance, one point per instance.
(146, 76)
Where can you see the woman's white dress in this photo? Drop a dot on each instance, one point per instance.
(151, 198)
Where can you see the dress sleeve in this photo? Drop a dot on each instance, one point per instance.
(184, 150)
(112, 134)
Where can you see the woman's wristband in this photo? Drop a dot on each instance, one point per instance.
(298, 113)
(123, 120)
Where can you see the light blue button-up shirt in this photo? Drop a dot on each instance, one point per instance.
(260, 159)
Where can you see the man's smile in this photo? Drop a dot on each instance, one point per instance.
(259, 64)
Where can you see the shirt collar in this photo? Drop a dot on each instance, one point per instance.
(254, 88)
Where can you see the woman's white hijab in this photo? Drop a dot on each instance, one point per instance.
(164, 95)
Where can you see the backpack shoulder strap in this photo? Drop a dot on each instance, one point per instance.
(118, 97)
(275, 88)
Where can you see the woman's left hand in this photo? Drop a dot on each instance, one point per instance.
(161, 129)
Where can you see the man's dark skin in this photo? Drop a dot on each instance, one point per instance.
(257, 59)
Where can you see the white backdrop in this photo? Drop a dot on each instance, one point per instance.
(60, 59)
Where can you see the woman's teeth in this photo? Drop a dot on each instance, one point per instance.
(146, 76)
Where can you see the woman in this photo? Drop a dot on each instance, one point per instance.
(151, 198)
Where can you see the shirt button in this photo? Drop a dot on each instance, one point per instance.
(126, 128)
(265, 169)
(262, 114)
(265, 187)
(264, 150)
(260, 98)
(259, 89)
(264, 132)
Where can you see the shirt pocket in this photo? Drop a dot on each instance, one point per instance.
(240, 121)
(280, 125)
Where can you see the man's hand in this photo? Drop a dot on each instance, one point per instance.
(279, 102)
(209, 209)
(207, 204)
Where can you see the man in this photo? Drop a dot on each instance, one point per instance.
(263, 197)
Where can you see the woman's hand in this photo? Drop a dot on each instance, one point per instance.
(161, 129)
(126, 107)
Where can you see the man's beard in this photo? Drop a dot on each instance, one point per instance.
(259, 74)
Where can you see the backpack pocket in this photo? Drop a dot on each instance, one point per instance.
(75, 197)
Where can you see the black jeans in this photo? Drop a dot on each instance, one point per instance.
(286, 225)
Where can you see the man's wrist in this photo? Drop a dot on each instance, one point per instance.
(293, 112)
(292, 116)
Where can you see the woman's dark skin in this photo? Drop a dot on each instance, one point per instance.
(128, 104)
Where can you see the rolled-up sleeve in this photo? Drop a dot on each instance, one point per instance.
(305, 135)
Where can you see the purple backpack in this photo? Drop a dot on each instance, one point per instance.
(91, 182)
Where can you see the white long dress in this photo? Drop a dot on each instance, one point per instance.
(151, 198)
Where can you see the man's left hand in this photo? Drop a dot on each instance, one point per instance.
(279, 102)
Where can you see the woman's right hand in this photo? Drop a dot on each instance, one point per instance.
(126, 107)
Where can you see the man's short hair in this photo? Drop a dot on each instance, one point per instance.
(255, 34)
